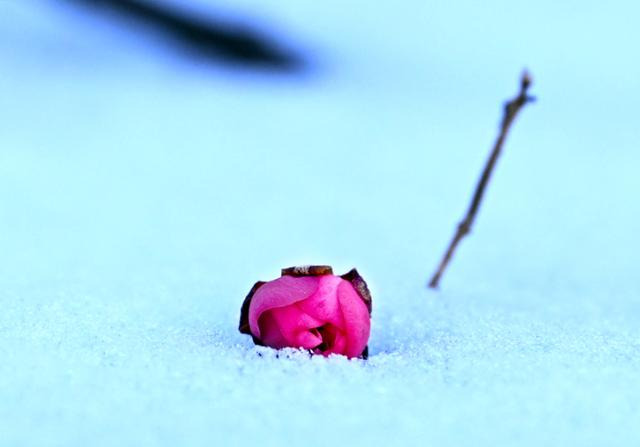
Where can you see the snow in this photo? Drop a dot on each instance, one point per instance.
(142, 194)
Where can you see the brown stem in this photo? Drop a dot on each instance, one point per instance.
(511, 109)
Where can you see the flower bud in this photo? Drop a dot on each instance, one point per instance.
(309, 307)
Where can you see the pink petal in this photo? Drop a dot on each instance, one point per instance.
(271, 335)
(278, 293)
(295, 326)
(339, 344)
(356, 318)
(323, 304)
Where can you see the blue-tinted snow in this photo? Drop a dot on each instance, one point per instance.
(142, 194)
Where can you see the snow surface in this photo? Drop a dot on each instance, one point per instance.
(142, 194)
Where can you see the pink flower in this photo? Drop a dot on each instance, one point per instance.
(309, 307)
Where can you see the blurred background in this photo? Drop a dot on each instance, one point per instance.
(157, 157)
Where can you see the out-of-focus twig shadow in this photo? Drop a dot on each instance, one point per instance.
(216, 41)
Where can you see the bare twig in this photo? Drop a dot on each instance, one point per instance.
(511, 109)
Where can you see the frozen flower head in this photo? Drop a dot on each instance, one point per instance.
(309, 307)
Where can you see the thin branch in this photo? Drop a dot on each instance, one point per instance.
(511, 110)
